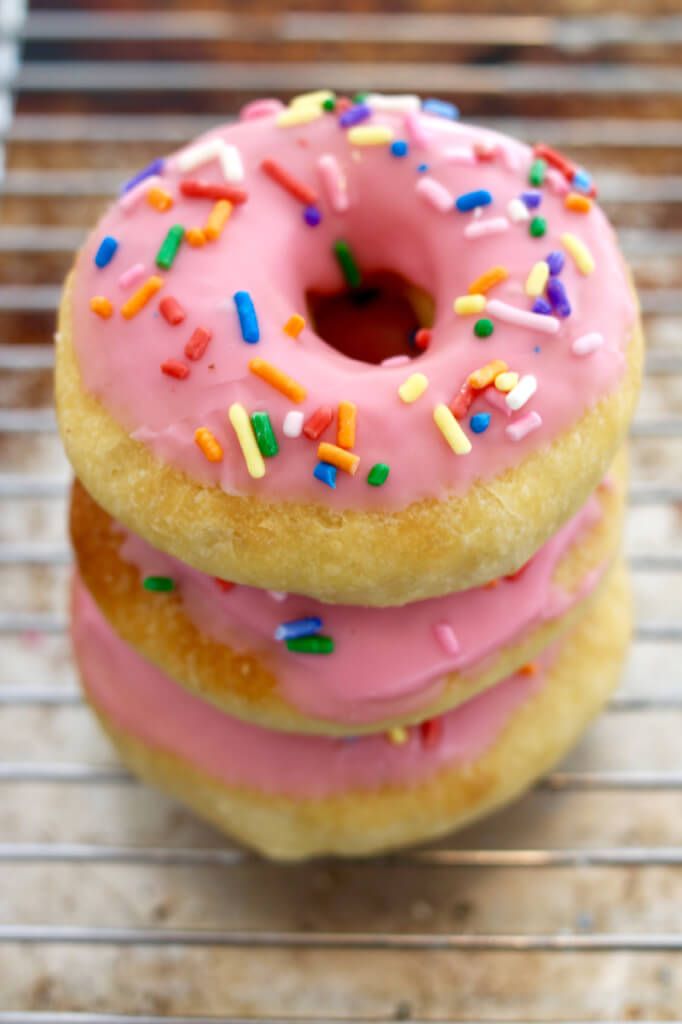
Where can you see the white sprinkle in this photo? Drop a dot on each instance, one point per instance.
(416, 130)
(522, 317)
(517, 431)
(334, 181)
(445, 635)
(200, 154)
(524, 390)
(517, 210)
(587, 344)
(278, 595)
(395, 361)
(130, 199)
(293, 423)
(402, 103)
(435, 194)
(459, 155)
(231, 163)
(492, 226)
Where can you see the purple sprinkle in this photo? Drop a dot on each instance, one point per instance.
(355, 115)
(556, 293)
(312, 216)
(531, 199)
(155, 167)
(555, 261)
(542, 306)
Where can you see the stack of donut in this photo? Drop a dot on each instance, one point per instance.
(346, 385)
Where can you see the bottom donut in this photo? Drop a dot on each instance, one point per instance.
(293, 796)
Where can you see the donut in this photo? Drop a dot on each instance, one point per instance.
(381, 667)
(292, 796)
(357, 351)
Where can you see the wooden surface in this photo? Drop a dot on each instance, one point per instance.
(114, 900)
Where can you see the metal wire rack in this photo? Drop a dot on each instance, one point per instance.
(115, 905)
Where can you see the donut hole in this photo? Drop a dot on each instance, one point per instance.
(374, 322)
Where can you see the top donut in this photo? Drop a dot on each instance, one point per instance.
(201, 408)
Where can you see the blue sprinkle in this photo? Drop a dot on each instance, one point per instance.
(298, 627)
(155, 167)
(441, 108)
(325, 472)
(582, 180)
(105, 253)
(470, 200)
(248, 321)
(312, 216)
(531, 199)
(422, 168)
(537, 349)
(400, 148)
(480, 422)
(555, 261)
(542, 306)
(556, 293)
(355, 115)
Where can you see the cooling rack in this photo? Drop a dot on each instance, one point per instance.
(117, 906)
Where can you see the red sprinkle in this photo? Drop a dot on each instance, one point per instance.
(171, 311)
(461, 403)
(431, 731)
(485, 150)
(197, 344)
(317, 423)
(422, 338)
(174, 368)
(519, 572)
(298, 189)
(343, 103)
(556, 159)
(224, 585)
(193, 188)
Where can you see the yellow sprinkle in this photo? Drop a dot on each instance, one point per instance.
(397, 735)
(139, 299)
(344, 460)
(411, 389)
(294, 325)
(537, 279)
(300, 113)
(195, 237)
(277, 379)
(485, 375)
(582, 256)
(465, 304)
(208, 444)
(370, 135)
(506, 381)
(241, 424)
(159, 199)
(451, 430)
(311, 98)
(217, 219)
(101, 305)
(345, 431)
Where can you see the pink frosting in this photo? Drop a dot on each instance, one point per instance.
(267, 250)
(387, 661)
(140, 700)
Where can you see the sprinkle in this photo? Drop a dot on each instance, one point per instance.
(248, 321)
(441, 108)
(225, 585)
(480, 422)
(400, 148)
(577, 203)
(139, 299)
(519, 395)
(294, 325)
(326, 473)
(217, 219)
(298, 189)
(293, 423)
(496, 399)
(530, 668)
(193, 188)
(537, 227)
(480, 228)
(587, 344)
(522, 317)
(159, 199)
(355, 115)
(129, 201)
(169, 247)
(298, 627)
(506, 381)
(213, 149)
(416, 129)
(556, 293)
(231, 163)
(151, 170)
(531, 199)
(265, 435)
(459, 155)
(556, 159)
(400, 360)
(398, 735)
(461, 403)
(278, 595)
(488, 280)
(555, 261)
(131, 275)
(582, 256)
(334, 182)
(317, 422)
(451, 430)
(312, 216)
(347, 263)
(171, 311)
(277, 379)
(331, 453)
(542, 306)
(466, 304)
(445, 635)
(582, 180)
(208, 444)
(431, 732)
(435, 194)
(346, 425)
(378, 474)
(537, 279)
(370, 135)
(102, 306)
(198, 343)
(174, 368)
(422, 339)
(517, 211)
(105, 252)
(299, 113)
(485, 375)
(158, 584)
(195, 237)
(471, 200)
(484, 328)
(402, 103)
(485, 150)
(311, 645)
(517, 431)
(241, 424)
(537, 172)
(413, 388)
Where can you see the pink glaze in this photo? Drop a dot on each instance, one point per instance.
(268, 250)
(143, 702)
(386, 661)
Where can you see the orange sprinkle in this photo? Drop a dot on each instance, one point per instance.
(485, 375)
(277, 379)
(344, 460)
(529, 669)
(208, 444)
(347, 419)
(487, 280)
(492, 585)
(217, 219)
(577, 203)
(195, 237)
(141, 297)
(294, 325)
(159, 199)
(101, 305)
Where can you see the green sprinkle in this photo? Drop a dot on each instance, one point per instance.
(346, 261)
(265, 435)
(538, 227)
(159, 584)
(484, 327)
(378, 474)
(329, 104)
(537, 172)
(360, 97)
(169, 247)
(311, 644)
